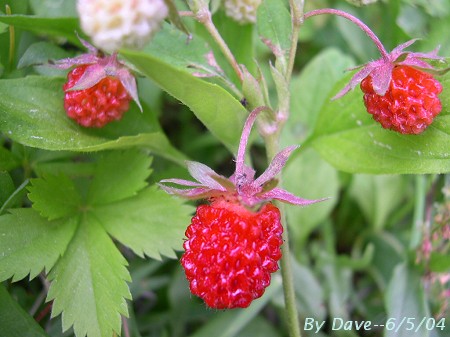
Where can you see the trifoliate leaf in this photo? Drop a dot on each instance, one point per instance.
(119, 175)
(30, 243)
(151, 223)
(54, 196)
(89, 283)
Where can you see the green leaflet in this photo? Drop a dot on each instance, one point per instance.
(58, 27)
(311, 177)
(128, 171)
(347, 137)
(310, 92)
(151, 223)
(54, 196)
(89, 283)
(217, 109)
(33, 114)
(378, 196)
(30, 243)
(274, 26)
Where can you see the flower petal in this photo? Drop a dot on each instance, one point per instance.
(181, 182)
(93, 74)
(203, 173)
(356, 79)
(191, 193)
(397, 51)
(285, 196)
(74, 61)
(129, 82)
(275, 166)
(381, 78)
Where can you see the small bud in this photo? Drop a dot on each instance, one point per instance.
(252, 90)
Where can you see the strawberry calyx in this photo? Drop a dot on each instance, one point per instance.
(242, 187)
(381, 70)
(99, 66)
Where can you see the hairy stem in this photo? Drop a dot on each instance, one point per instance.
(297, 18)
(12, 39)
(285, 262)
(419, 211)
(356, 21)
(204, 17)
(288, 282)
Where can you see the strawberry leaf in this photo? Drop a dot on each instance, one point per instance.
(88, 273)
(151, 223)
(89, 282)
(119, 175)
(54, 197)
(30, 243)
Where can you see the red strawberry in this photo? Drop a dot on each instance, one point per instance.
(99, 89)
(231, 252)
(98, 105)
(410, 103)
(399, 90)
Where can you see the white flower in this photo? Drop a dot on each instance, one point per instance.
(243, 11)
(113, 24)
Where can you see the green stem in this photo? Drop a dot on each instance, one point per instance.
(288, 283)
(12, 38)
(204, 17)
(419, 211)
(297, 17)
(285, 262)
(272, 145)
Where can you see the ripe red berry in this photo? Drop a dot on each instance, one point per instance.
(98, 105)
(231, 252)
(409, 105)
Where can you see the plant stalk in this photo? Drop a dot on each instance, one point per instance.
(356, 21)
(419, 211)
(292, 318)
(297, 19)
(288, 281)
(204, 17)
(12, 39)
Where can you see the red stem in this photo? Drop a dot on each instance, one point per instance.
(356, 21)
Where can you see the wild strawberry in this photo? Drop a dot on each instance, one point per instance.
(98, 105)
(231, 252)
(98, 90)
(399, 90)
(114, 24)
(410, 103)
(242, 11)
(231, 249)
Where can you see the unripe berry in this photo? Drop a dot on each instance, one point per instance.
(113, 24)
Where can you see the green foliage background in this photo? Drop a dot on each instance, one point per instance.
(85, 231)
